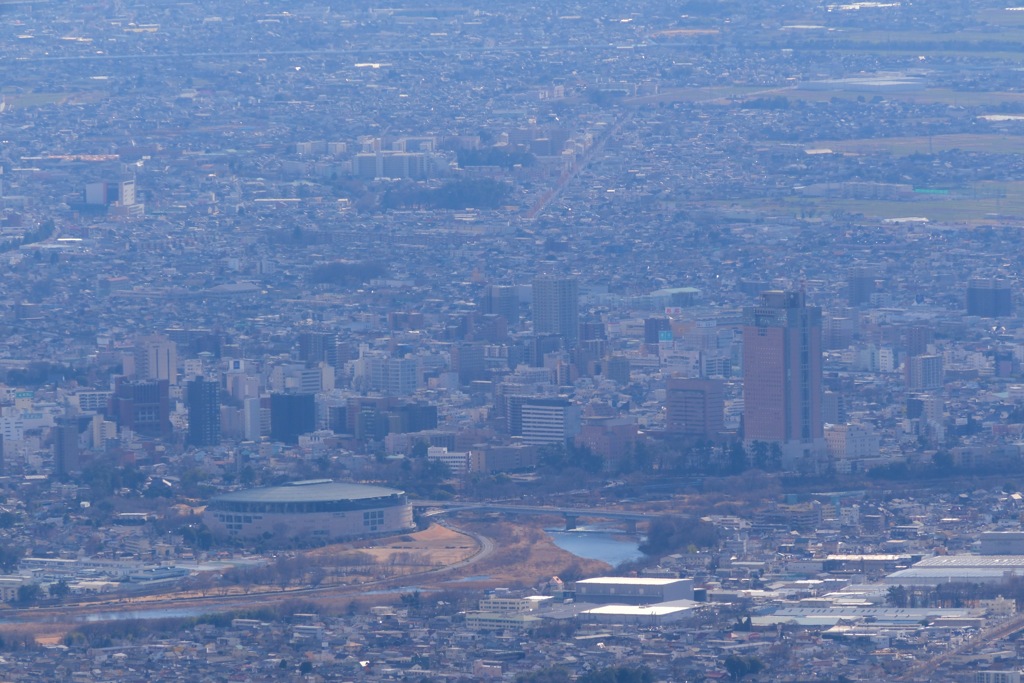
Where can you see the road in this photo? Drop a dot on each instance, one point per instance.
(926, 670)
(223, 603)
(513, 508)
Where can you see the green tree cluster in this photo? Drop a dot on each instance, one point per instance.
(669, 534)
(739, 666)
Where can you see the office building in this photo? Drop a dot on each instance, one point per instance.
(390, 375)
(549, 420)
(501, 300)
(618, 369)
(657, 330)
(291, 415)
(316, 347)
(989, 298)
(851, 447)
(860, 283)
(203, 400)
(556, 308)
(924, 372)
(468, 360)
(917, 339)
(156, 358)
(459, 463)
(614, 439)
(66, 453)
(833, 408)
(253, 419)
(782, 385)
(694, 407)
(142, 406)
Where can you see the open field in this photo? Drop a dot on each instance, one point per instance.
(726, 94)
(432, 547)
(993, 143)
(936, 210)
(959, 98)
(999, 203)
(984, 203)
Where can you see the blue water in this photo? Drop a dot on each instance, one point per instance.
(598, 545)
(173, 613)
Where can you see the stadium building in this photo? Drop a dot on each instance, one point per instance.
(317, 510)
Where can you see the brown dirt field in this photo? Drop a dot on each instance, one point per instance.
(524, 555)
(440, 544)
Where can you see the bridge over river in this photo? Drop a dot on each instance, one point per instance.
(434, 508)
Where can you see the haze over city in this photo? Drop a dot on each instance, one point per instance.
(527, 342)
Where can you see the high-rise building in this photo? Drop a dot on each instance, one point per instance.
(66, 457)
(156, 358)
(549, 420)
(539, 346)
(203, 412)
(839, 331)
(142, 406)
(618, 369)
(291, 415)
(490, 327)
(501, 300)
(782, 386)
(989, 298)
(252, 419)
(924, 372)
(412, 417)
(657, 330)
(851, 446)
(860, 283)
(468, 360)
(926, 414)
(916, 339)
(833, 408)
(593, 330)
(367, 417)
(694, 407)
(556, 308)
(392, 376)
(315, 347)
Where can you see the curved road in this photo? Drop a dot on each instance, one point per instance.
(222, 603)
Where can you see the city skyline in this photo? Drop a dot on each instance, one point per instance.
(511, 341)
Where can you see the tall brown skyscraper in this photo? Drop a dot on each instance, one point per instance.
(782, 385)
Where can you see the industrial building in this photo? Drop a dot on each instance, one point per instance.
(633, 591)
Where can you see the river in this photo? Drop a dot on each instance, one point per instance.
(598, 544)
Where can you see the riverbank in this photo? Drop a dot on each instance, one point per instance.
(472, 555)
(524, 556)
